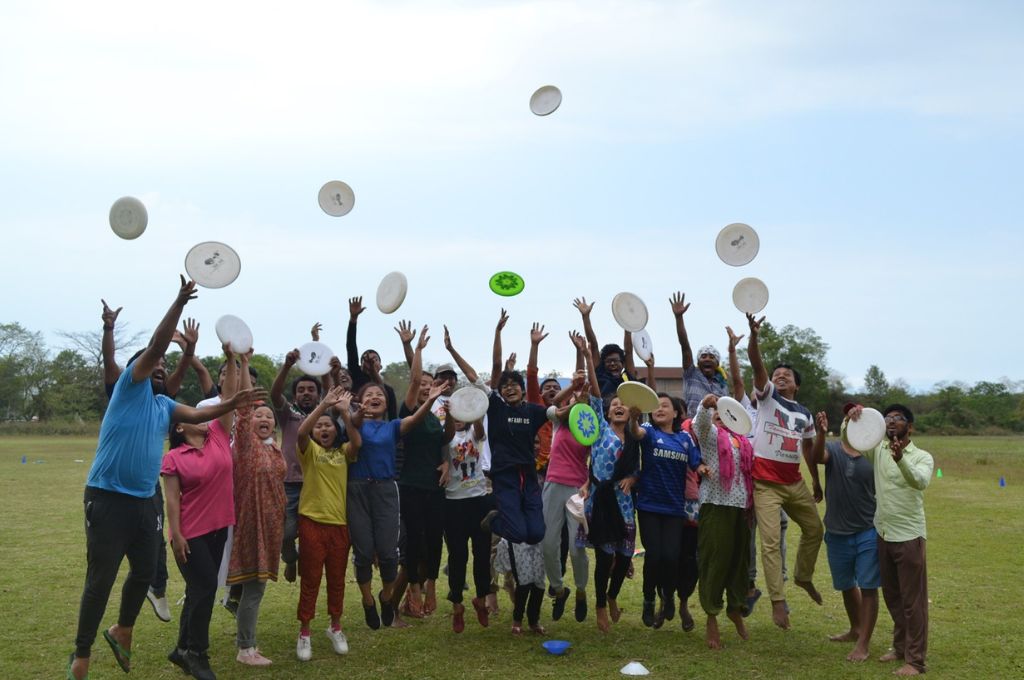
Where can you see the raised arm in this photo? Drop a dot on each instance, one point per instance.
(537, 335)
(406, 333)
(416, 372)
(582, 351)
(627, 348)
(652, 381)
(154, 352)
(231, 382)
(575, 385)
(277, 389)
(588, 329)
(702, 427)
(754, 354)
(819, 454)
(111, 371)
(355, 308)
(186, 340)
(410, 422)
(807, 448)
(470, 373)
(496, 353)
(679, 307)
(735, 375)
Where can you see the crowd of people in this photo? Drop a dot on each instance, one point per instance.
(253, 479)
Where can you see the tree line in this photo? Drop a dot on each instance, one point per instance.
(66, 383)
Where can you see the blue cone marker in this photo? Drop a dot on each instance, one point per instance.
(1002, 481)
(23, 461)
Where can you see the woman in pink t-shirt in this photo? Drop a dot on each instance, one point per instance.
(199, 489)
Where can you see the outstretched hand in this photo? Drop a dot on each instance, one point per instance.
(109, 315)
(578, 341)
(405, 332)
(733, 338)
(355, 307)
(537, 333)
(314, 332)
(510, 363)
(186, 292)
(448, 340)
(581, 304)
(679, 303)
(502, 320)
(424, 338)
(754, 324)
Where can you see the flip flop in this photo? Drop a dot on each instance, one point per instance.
(121, 655)
(70, 675)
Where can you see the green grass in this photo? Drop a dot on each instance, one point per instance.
(975, 560)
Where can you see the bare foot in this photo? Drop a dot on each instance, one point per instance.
(124, 638)
(399, 622)
(891, 655)
(613, 609)
(80, 668)
(811, 590)
(538, 629)
(492, 603)
(858, 654)
(849, 636)
(737, 620)
(602, 619)
(780, 617)
(906, 669)
(712, 636)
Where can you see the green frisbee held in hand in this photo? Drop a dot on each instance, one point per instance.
(583, 424)
(507, 284)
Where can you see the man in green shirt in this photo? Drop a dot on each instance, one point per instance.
(902, 472)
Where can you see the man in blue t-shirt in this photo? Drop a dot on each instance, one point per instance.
(121, 519)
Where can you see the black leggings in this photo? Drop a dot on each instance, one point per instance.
(200, 573)
(528, 598)
(461, 527)
(662, 536)
(688, 562)
(423, 516)
(609, 573)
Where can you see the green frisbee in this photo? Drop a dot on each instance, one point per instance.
(507, 284)
(583, 424)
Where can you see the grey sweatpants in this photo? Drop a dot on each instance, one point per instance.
(373, 524)
(556, 516)
(249, 612)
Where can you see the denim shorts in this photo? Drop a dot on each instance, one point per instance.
(853, 559)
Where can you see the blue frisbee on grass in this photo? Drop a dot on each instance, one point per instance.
(556, 647)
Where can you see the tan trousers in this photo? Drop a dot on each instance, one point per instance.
(798, 503)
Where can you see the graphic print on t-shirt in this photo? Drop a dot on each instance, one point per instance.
(781, 428)
(464, 463)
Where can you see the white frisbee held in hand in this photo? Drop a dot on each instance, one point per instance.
(546, 100)
(315, 359)
(642, 344)
(636, 394)
(391, 292)
(468, 404)
(629, 311)
(128, 217)
(212, 264)
(750, 295)
(734, 416)
(336, 198)
(234, 332)
(868, 431)
(737, 244)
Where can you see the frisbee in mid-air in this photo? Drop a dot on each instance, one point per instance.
(635, 394)
(314, 358)
(128, 217)
(235, 333)
(737, 244)
(546, 100)
(734, 416)
(583, 424)
(391, 292)
(750, 295)
(336, 198)
(629, 311)
(868, 431)
(468, 404)
(212, 264)
(507, 284)
(642, 344)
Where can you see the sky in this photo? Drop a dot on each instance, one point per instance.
(874, 146)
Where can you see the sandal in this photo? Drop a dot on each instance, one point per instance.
(121, 655)
(517, 628)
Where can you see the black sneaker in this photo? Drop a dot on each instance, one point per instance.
(648, 614)
(387, 611)
(371, 616)
(199, 665)
(180, 659)
(558, 606)
(668, 609)
(581, 609)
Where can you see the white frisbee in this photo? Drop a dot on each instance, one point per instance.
(128, 217)
(642, 344)
(750, 295)
(629, 311)
(391, 292)
(577, 507)
(336, 198)
(633, 393)
(468, 404)
(737, 244)
(634, 668)
(212, 264)
(545, 100)
(867, 432)
(734, 416)
(234, 332)
(314, 358)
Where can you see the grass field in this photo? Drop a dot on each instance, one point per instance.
(976, 583)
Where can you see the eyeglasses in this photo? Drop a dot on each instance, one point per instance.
(895, 418)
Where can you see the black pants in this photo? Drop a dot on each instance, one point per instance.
(200, 574)
(423, 517)
(116, 526)
(609, 572)
(529, 599)
(159, 584)
(461, 527)
(662, 536)
(688, 562)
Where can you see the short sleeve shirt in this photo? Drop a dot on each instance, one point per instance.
(325, 474)
(664, 460)
(376, 458)
(780, 426)
(849, 492)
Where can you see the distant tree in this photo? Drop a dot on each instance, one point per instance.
(397, 375)
(71, 389)
(23, 370)
(876, 387)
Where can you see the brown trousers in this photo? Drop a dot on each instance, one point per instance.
(905, 589)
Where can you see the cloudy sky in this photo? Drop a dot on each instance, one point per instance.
(874, 146)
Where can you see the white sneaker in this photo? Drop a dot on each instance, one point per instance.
(339, 641)
(160, 606)
(304, 648)
(251, 656)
